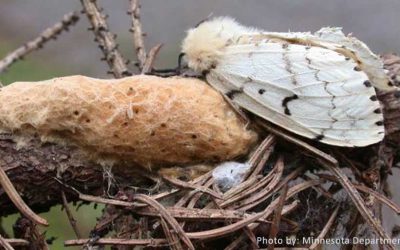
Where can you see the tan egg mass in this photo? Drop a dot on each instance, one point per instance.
(147, 120)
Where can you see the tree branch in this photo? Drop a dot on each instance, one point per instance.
(71, 218)
(148, 64)
(16, 199)
(137, 33)
(5, 244)
(35, 171)
(105, 39)
(51, 33)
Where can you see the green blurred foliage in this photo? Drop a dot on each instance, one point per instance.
(27, 69)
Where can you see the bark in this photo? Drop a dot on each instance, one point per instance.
(37, 169)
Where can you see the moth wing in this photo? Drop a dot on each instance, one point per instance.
(311, 91)
(334, 39)
(369, 62)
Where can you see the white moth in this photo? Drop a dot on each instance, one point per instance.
(320, 86)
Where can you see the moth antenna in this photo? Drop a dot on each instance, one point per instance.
(163, 72)
(204, 20)
(174, 71)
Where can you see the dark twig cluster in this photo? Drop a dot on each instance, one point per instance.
(16, 199)
(37, 43)
(28, 230)
(261, 201)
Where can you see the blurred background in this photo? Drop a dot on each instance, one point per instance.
(376, 22)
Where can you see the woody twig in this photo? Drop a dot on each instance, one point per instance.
(105, 39)
(137, 33)
(12, 193)
(50, 33)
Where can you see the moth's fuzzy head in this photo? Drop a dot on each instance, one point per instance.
(203, 45)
